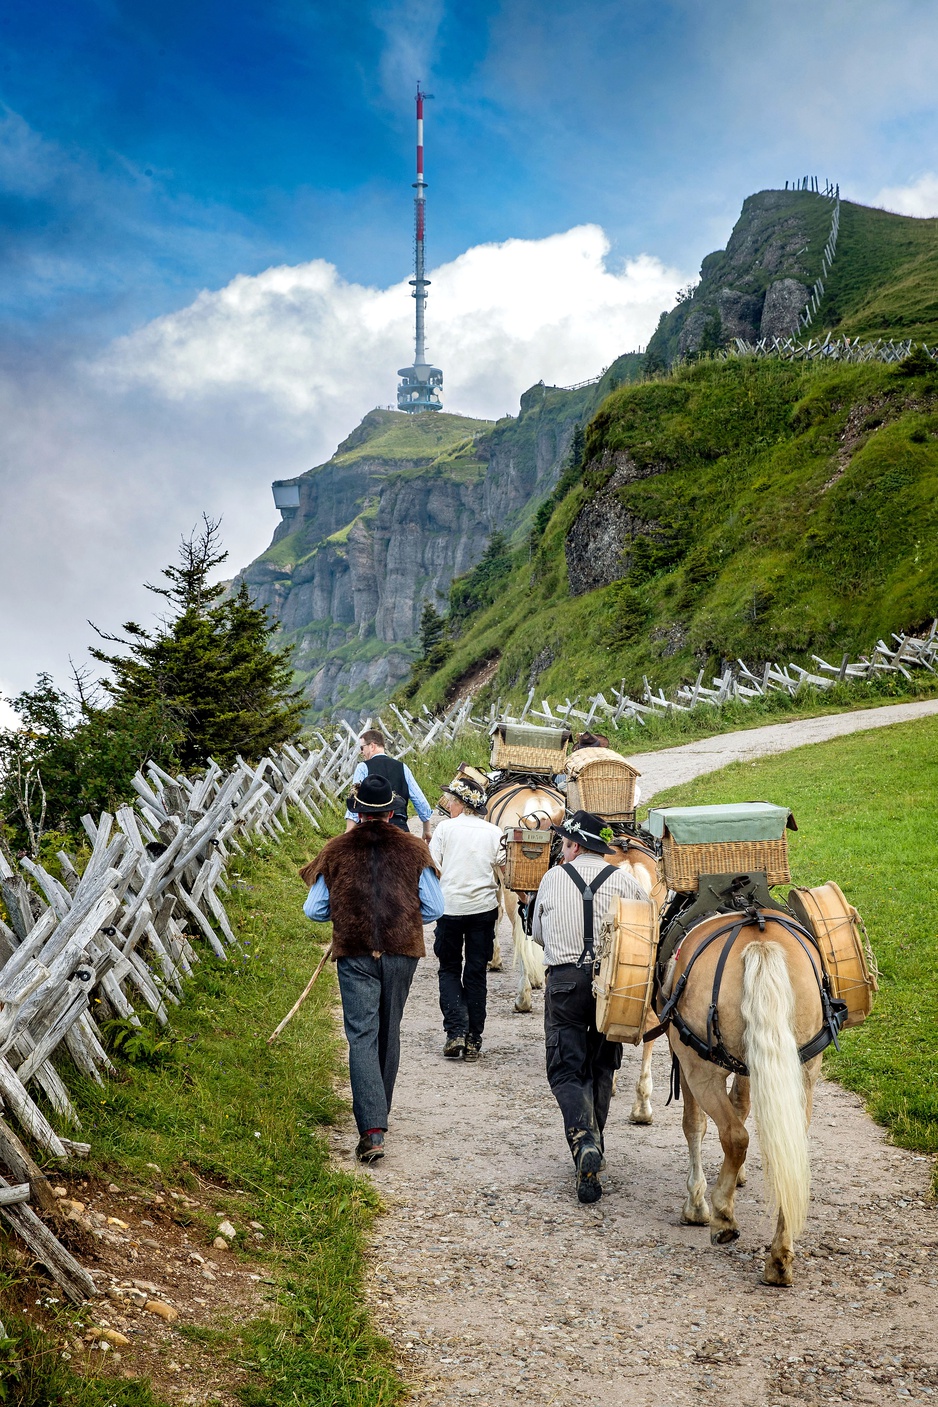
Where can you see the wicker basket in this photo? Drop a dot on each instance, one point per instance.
(684, 864)
(605, 788)
(526, 859)
(516, 748)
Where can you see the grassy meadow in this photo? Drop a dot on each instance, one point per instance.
(865, 807)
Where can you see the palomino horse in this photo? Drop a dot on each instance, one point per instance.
(642, 864)
(767, 1015)
(534, 807)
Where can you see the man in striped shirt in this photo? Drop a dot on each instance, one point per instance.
(572, 902)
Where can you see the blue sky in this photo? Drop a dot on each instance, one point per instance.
(158, 160)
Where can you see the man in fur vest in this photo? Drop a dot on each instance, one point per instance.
(379, 886)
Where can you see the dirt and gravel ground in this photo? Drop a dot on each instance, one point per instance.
(495, 1284)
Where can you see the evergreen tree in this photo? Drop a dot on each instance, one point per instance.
(210, 667)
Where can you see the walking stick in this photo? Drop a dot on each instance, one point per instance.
(303, 995)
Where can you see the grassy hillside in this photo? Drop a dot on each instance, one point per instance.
(787, 509)
(859, 803)
(884, 279)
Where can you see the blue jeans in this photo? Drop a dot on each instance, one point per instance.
(374, 991)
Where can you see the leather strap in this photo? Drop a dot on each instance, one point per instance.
(588, 955)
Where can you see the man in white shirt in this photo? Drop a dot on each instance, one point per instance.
(465, 849)
(572, 901)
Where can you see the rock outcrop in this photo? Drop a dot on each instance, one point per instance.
(405, 504)
(757, 285)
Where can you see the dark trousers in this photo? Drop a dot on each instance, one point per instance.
(581, 1063)
(464, 945)
(374, 991)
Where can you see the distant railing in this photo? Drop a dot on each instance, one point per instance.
(835, 349)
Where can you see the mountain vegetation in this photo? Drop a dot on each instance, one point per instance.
(743, 507)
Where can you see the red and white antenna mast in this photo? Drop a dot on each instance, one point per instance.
(421, 384)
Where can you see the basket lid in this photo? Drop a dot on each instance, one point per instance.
(530, 735)
(708, 825)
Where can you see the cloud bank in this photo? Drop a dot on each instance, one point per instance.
(920, 197)
(107, 461)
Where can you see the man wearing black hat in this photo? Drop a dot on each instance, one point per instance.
(465, 849)
(379, 887)
(572, 902)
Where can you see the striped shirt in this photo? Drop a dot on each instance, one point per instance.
(558, 910)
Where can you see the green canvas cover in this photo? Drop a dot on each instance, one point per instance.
(709, 825)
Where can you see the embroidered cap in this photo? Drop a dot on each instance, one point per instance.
(373, 796)
(587, 830)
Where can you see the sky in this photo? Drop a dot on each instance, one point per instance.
(206, 224)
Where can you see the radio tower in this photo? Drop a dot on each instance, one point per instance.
(421, 384)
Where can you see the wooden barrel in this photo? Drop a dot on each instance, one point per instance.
(623, 985)
(835, 924)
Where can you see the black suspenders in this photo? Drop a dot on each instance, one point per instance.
(588, 956)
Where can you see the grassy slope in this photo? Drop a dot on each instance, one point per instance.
(198, 1114)
(758, 553)
(865, 811)
(884, 279)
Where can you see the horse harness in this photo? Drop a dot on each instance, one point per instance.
(505, 792)
(834, 1012)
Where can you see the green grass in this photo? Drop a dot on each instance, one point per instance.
(790, 510)
(884, 279)
(198, 1114)
(865, 808)
(398, 436)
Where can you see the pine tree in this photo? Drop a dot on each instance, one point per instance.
(211, 666)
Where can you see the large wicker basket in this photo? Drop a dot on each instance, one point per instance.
(684, 864)
(606, 788)
(526, 858)
(522, 748)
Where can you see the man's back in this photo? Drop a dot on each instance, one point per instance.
(558, 913)
(465, 848)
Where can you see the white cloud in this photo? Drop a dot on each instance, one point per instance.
(105, 464)
(917, 198)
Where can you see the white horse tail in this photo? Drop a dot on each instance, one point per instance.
(528, 955)
(776, 1080)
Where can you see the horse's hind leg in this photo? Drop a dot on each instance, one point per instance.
(641, 1110)
(495, 961)
(734, 1141)
(739, 1097)
(695, 1211)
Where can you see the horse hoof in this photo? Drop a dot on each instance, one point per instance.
(695, 1218)
(640, 1118)
(741, 1178)
(779, 1277)
(495, 967)
(724, 1237)
(522, 1010)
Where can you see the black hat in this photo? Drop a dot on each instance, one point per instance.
(464, 789)
(586, 829)
(372, 796)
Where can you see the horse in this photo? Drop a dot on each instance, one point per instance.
(768, 1020)
(533, 806)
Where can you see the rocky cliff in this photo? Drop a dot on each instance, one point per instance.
(406, 503)
(757, 285)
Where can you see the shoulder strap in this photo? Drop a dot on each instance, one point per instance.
(588, 955)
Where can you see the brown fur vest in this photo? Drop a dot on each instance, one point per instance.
(372, 874)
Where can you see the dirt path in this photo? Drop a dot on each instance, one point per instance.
(495, 1284)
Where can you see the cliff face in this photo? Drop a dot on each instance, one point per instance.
(757, 285)
(405, 504)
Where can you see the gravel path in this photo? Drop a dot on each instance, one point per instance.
(493, 1283)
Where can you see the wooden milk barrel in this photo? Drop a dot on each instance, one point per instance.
(623, 985)
(848, 960)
